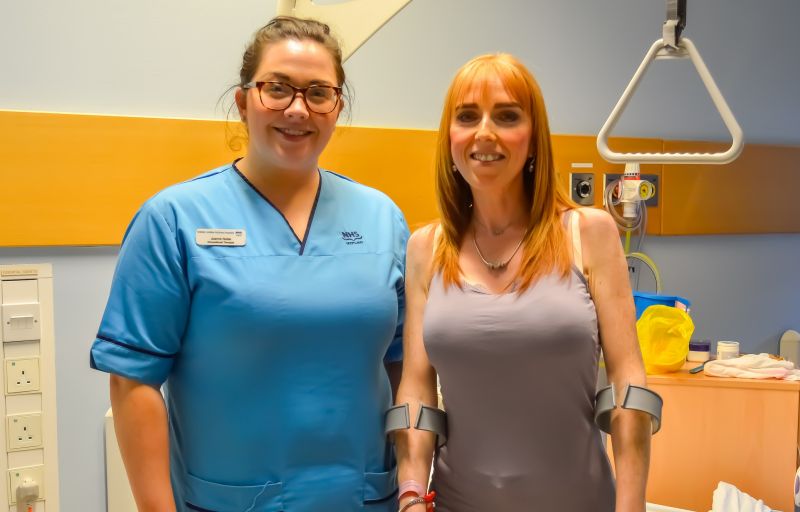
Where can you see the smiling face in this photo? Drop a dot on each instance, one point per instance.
(490, 135)
(292, 139)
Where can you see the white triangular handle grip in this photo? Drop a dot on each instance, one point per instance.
(668, 158)
(353, 21)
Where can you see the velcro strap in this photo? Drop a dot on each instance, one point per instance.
(396, 418)
(636, 398)
(433, 420)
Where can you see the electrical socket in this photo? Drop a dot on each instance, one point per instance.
(22, 375)
(17, 475)
(24, 431)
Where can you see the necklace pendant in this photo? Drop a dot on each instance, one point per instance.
(495, 266)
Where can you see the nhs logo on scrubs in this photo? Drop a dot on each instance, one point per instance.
(352, 237)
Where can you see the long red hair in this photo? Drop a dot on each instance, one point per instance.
(544, 248)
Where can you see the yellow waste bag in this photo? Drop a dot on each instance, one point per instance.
(664, 334)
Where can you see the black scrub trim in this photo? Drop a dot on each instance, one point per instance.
(195, 507)
(265, 198)
(311, 215)
(135, 349)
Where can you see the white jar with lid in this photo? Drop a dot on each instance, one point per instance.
(727, 350)
(699, 351)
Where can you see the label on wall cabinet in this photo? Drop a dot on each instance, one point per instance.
(19, 272)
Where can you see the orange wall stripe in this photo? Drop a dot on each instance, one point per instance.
(72, 179)
(77, 179)
(756, 193)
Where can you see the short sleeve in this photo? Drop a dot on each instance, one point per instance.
(395, 352)
(145, 318)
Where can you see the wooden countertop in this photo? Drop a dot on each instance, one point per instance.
(683, 378)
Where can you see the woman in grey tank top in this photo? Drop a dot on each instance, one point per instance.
(510, 299)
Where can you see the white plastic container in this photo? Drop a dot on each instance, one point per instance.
(727, 350)
(699, 351)
(790, 347)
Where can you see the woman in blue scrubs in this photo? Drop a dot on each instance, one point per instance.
(267, 296)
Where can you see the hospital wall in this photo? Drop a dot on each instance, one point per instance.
(175, 59)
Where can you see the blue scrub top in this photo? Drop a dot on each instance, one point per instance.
(273, 351)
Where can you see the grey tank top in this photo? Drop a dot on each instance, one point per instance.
(518, 373)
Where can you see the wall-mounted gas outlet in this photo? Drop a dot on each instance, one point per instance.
(22, 375)
(652, 178)
(24, 431)
(18, 475)
(582, 188)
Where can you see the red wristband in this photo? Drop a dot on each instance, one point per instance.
(427, 500)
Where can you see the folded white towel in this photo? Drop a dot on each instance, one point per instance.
(752, 366)
(727, 498)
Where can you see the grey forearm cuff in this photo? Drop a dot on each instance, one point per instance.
(636, 398)
(429, 418)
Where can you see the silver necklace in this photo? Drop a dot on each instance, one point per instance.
(497, 231)
(496, 265)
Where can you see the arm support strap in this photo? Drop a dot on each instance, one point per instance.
(636, 398)
(396, 418)
(429, 418)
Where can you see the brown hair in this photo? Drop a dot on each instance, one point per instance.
(289, 27)
(279, 29)
(544, 248)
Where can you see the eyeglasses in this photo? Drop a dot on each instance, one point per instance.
(321, 99)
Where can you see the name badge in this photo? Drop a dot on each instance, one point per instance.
(229, 237)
